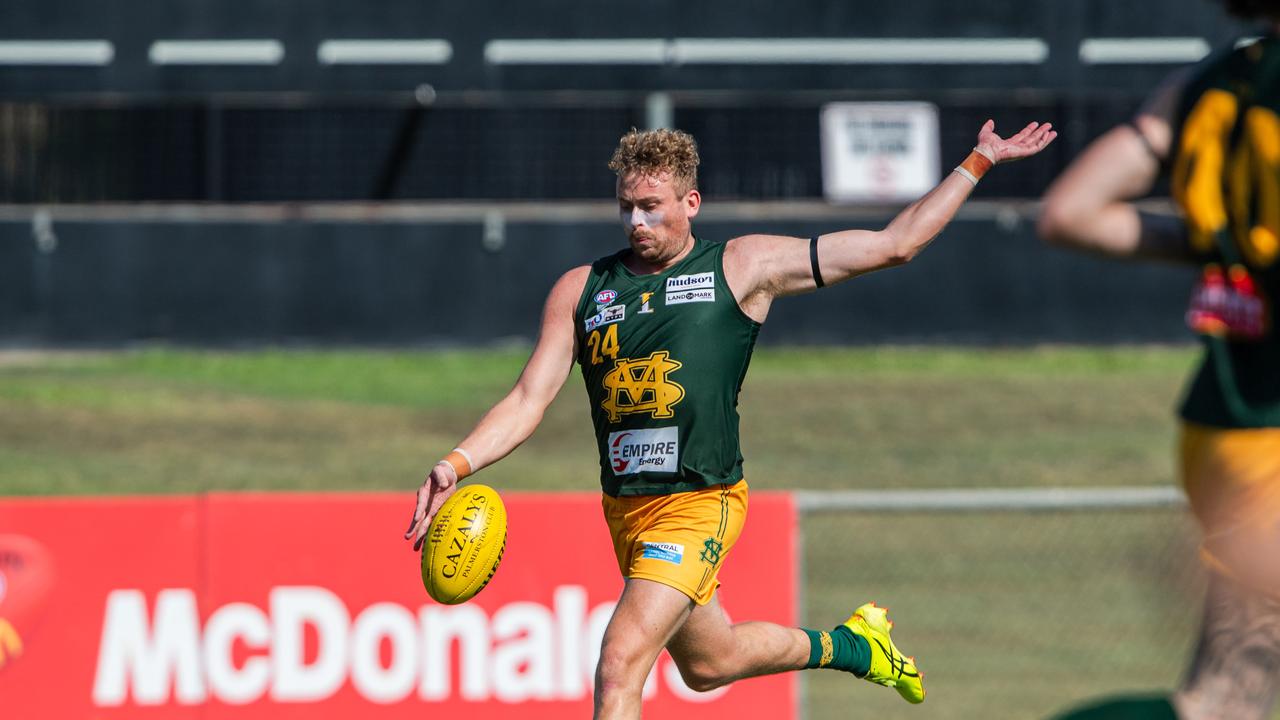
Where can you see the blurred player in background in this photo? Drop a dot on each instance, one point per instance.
(1216, 130)
(663, 331)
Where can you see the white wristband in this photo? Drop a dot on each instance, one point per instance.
(966, 175)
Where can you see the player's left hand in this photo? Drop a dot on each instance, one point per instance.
(1030, 140)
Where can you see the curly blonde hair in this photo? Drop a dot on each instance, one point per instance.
(657, 152)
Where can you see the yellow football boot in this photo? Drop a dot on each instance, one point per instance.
(889, 667)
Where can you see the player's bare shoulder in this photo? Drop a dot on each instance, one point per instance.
(753, 265)
(568, 288)
(739, 265)
(575, 276)
(746, 261)
(775, 263)
(746, 247)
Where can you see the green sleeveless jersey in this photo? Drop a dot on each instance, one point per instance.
(663, 357)
(1225, 175)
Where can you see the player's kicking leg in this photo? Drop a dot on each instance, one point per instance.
(710, 652)
(670, 600)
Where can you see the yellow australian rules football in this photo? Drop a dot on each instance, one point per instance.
(464, 544)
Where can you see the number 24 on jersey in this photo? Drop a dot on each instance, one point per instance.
(603, 345)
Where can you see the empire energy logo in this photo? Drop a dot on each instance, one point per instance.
(644, 450)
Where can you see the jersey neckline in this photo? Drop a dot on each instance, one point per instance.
(637, 279)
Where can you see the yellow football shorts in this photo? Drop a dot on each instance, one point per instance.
(1232, 481)
(679, 540)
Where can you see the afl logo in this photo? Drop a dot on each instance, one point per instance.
(604, 297)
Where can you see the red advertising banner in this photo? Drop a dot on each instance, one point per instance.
(284, 605)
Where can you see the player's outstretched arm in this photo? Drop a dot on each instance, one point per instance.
(773, 266)
(512, 420)
(1089, 206)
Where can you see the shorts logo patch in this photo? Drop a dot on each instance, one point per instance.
(608, 316)
(606, 297)
(670, 552)
(647, 450)
(711, 549)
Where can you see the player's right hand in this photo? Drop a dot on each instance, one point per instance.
(441, 482)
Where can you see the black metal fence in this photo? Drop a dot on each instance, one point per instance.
(119, 114)
(751, 149)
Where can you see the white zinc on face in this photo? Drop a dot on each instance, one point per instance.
(636, 216)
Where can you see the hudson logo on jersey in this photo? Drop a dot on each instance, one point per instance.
(644, 450)
(691, 288)
(642, 385)
(608, 316)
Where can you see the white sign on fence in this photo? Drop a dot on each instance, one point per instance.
(879, 152)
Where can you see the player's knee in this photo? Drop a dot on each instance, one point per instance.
(621, 666)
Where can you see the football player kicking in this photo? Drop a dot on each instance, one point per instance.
(663, 331)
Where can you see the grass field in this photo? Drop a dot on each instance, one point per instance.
(1012, 615)
(166, 421)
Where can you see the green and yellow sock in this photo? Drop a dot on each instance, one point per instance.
(839, 649)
